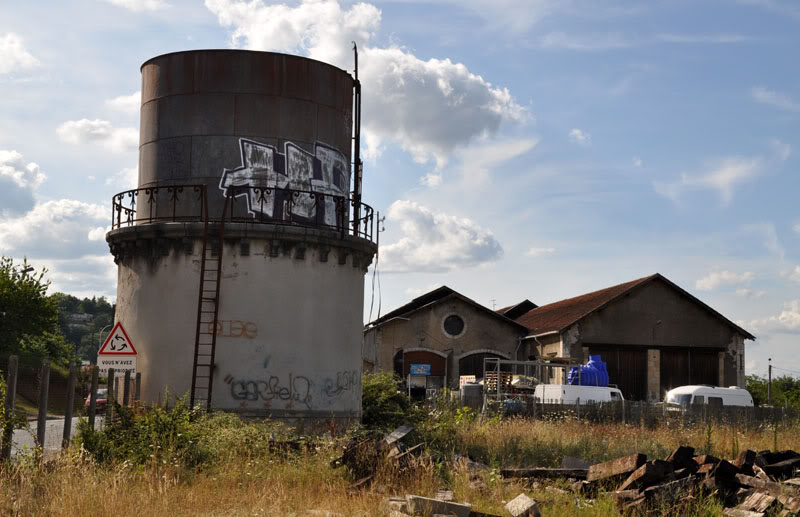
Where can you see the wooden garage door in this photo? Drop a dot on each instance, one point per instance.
(627, 368)
(684, 366)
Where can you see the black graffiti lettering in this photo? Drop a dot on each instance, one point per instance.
(344, 381)
(297, 390)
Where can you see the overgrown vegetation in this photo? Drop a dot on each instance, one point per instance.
(163, 460)
(785, 391)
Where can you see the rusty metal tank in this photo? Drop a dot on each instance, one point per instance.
(245, 162)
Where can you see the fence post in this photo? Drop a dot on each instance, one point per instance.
(110, 396)
(138, 391)
(44, 389)
(11, 397)
(93, 397)
(73, 374)
(578, 407)
(126, 388)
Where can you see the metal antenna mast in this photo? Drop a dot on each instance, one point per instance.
(357, 165)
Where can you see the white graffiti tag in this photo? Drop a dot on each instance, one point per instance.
(326, 171)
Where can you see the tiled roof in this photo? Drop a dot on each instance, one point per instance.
(439, 294)
(560, 315)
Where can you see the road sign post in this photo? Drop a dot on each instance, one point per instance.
(117, 352)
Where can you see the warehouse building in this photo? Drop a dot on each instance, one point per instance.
(652, 334)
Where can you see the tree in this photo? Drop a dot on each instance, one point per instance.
(28, 317)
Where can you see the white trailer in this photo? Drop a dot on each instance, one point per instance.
(570, 394)
(710, 395)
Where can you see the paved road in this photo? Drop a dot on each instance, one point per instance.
(26, 438)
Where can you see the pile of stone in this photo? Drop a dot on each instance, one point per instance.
(752, 485)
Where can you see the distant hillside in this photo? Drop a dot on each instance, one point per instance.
(83, 323)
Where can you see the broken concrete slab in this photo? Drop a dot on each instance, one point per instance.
(444, 494)
(398, 434)
(427, 506)
(617, 467)
(651, 473)
(757, 502)
(523, 506)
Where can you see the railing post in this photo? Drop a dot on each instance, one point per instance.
(44, 388)
(138, 391)
(109, 397)
(10, 403)
(126, 388)
(93, 396)
(73, 374)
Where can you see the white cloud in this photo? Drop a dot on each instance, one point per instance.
(773, 98)
(417, 291)
(83, 276)
(723, 177)
(435, 242)
(539, 252)
(702, 38)
(579, 136)
(431, 180)
(99, 131)
(53, 229)
(23, 175)
(584, 42)
(18, 182)
(127, 178)
(787, 321)
(744, 292)
(126, 103)
(769, 237)
(795, 275)
(13, 55)
(477, 161)
(637, 162)
(781, 150)
(719, 278)
(428, 107)
(140, 5)
(796, 227)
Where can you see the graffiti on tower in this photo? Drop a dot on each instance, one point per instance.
(263, 167)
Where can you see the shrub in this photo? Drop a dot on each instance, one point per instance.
(158, 434)
(383, 405)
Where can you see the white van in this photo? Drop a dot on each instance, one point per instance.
(569, 394)
(711, 395)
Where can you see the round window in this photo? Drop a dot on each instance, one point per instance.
(453, 325)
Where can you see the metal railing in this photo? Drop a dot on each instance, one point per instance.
(248, 204)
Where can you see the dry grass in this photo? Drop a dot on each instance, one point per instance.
(247, 480)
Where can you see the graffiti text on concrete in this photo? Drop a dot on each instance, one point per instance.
(235, 328)
(297, 390)
(344, 381)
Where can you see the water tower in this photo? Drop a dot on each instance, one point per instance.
(242, 252)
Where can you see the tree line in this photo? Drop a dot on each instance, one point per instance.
(58, 326)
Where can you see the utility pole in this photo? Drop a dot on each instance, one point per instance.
(769, 382)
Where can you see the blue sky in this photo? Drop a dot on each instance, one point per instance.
(519, 149)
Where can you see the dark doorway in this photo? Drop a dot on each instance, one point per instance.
(473, 364)
(627, 368)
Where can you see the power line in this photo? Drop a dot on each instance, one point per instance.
(785, 370)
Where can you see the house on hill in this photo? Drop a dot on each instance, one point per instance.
(652, 334)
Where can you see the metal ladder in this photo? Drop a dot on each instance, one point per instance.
(207, 310)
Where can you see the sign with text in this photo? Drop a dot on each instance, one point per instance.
(117, 352)
(421, 370)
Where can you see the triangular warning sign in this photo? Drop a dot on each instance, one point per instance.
(118, 342)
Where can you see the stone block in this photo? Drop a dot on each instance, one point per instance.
(427, 506)
(617, 467)
(523, 506)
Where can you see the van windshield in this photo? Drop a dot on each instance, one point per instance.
(674, 398)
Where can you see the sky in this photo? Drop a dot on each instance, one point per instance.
(535, 149)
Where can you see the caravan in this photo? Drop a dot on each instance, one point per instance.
(710, 395)
(571, 394)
